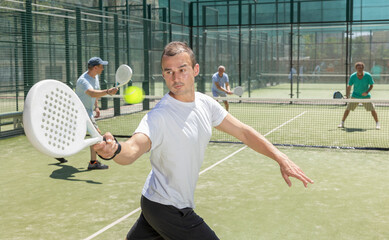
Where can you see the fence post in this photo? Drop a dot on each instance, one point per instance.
(116, 101)
(28, 58)
(103, 81)
(79, 42)
(67, 53)
(146, 36)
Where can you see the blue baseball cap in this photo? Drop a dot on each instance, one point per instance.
(96, 61)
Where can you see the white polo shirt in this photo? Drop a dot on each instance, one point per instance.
(179, 134)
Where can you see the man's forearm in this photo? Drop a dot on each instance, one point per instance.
(370, 88)
(222, 89)
(260, 144)
(348, 91)
(97, 93)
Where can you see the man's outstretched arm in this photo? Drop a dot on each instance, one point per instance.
(260, 144)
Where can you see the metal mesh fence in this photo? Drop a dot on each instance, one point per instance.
(283, 49)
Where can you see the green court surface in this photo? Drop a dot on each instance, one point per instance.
(243, 197)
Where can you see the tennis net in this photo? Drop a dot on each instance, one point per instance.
(289, 122)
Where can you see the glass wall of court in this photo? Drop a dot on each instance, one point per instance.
(259, 42)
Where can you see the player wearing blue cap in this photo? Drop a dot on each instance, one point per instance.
(88, 90)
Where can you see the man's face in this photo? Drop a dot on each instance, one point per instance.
(179, 76)
(359, 68)
(99, 69)
(221, 71)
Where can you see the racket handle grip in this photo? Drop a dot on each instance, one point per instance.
(118, 150)
(93, 140)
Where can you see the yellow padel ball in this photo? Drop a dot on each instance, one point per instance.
(133, 95)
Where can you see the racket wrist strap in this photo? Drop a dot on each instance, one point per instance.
(118, 150)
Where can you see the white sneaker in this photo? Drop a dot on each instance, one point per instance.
(341, 125)
(377, 126)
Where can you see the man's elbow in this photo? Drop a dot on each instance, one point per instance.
(89, 93)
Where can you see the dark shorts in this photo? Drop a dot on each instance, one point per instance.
(163, 222)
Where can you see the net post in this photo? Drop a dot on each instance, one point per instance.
(146, 102)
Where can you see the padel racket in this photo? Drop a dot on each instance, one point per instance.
(123, 75)
(338, 95)
(238, 91)
(55, 120)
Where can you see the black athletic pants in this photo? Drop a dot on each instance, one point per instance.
(158, 221)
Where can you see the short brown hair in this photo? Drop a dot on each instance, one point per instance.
(177, 47)
(359, 64)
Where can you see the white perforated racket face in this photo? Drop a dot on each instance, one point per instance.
(59, 119)
(238, 91)
(54, 119)
(123, 75)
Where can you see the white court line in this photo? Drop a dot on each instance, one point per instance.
(112, 224)
(285, 123)
(232, 154)
(205, 170)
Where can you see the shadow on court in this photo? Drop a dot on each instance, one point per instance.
(357, 129)
(352, 129)
(68, 173)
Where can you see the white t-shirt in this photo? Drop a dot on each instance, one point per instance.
(179, 134)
